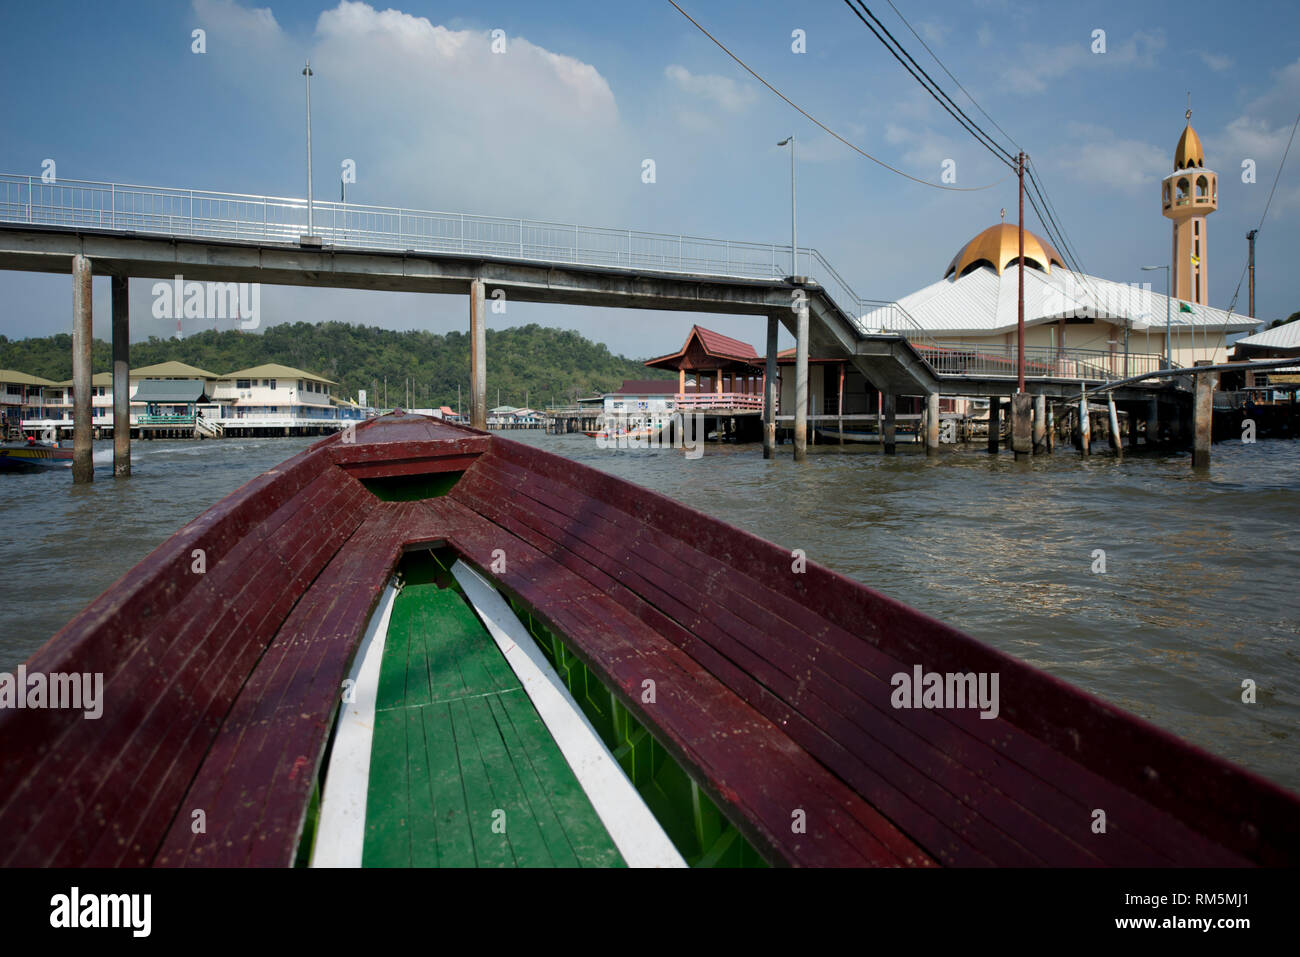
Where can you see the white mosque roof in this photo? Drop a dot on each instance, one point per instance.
(979, 294)
(1279, 337)
(983, 302)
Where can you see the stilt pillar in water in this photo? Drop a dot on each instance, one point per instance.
(1085, 429)
(801, 380)
(995, 424)
(769, 391)
(83, 465)
(932, 424)
(1153, 422)
(1051, 429)
(1203, 412)
(1040, 424)
(1116, 440)
(121, 378)
(478, 357)
(1022, 406)
(890, 438)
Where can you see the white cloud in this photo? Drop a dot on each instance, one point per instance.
(721, 90)
(1037, 66)
(431, 115)
(935, 32)
(1216, 61)
(984, 35)
(1096, 156)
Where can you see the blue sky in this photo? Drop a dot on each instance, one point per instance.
(558, 129)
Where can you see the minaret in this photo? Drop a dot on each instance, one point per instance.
(1188, 195)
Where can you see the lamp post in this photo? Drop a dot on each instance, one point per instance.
(311, 232)
(1169, 356)
(794, 246)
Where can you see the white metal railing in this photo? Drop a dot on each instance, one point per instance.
(87, 204)
(718, 400)
(1000, 360)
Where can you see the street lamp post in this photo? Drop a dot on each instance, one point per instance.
(1169, 356)
(794, 245)
(311, 232)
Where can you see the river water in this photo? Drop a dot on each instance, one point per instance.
(1199, 591)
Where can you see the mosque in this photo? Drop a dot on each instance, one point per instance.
(1067, 312)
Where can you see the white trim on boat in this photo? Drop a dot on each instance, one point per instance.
(341, 828)
(636, 833)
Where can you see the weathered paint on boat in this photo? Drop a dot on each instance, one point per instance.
(768, 680)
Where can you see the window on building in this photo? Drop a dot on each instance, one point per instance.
(243, 383)
(14, 390)
(299, 385)
(272, 383)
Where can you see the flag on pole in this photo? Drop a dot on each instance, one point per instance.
(1184, 307)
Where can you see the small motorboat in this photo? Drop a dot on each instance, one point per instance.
(424, 645)
(33, 456)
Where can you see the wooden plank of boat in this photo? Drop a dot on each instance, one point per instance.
(773, 687)
(640, 838)
(340, 833)
(463, 772)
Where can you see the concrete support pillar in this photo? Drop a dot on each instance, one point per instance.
(83, 466)
(121, 378)
(1203, 415)
(891, 422)
(477, 357)
(770, 393)
(995, 424)
(1040, 424)
(1085, 428)
(1116, 440)
(1051, 429)
(932, 424)
(801, 382)
(1022, 407)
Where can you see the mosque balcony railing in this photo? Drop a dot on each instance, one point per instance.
(978, 360)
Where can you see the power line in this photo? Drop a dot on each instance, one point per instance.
(929, 85)
(1269, 202)
(819, 123)
(953, 78)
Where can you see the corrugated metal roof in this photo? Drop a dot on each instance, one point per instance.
(276, 371)
(170, 390)
(172, 370)
(1279, 337)
(982, 302)
(14, 377)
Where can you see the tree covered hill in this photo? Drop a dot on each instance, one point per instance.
(530, 364)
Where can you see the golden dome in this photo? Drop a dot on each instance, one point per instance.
(1190, 153)
(999, 246)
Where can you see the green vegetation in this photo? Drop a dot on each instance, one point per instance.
(530, 364)
(1282, 322)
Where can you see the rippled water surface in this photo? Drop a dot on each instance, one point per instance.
(1199, 593)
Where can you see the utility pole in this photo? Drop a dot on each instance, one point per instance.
(1251, 237)
(311, 232)
(1020, 300)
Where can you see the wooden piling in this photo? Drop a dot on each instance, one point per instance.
(1040, 424)
(83, 465)
(890, 437)
(1085, 429)
(121, 377)
(1051, 429)
(995, 424)
(478, 357)
(932, 424)
(1203, 412)
(1022, 443)
(1116, 440)
(769, 391)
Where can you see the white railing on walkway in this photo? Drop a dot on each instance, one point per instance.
(206, 214)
